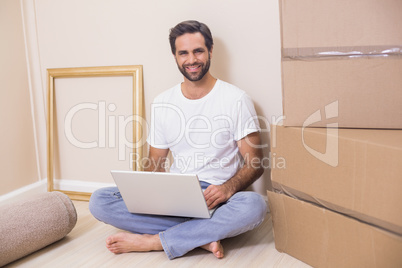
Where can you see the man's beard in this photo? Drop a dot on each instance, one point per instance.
(196, 77)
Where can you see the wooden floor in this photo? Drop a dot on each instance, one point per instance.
(85, 247)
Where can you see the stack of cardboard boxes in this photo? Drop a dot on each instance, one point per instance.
(337, 195)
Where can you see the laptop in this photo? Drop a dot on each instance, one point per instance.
(162, 193)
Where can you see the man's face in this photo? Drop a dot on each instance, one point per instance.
(192, 56)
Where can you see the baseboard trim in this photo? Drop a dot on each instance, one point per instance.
(80, 186)
(63, 185)
(23, 192)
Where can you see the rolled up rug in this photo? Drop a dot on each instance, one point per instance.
(31, 224)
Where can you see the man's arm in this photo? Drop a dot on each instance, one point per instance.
(249, 148)
(156, 159)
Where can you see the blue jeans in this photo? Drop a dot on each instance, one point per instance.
(242, 212)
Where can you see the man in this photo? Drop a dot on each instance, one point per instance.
(211, 129)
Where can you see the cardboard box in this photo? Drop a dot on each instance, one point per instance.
(312, 26)
(357, 172)
(323, 238)
(362, 93)
(346, 54)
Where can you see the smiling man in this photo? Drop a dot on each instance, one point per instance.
(212, 127)
(193, 70)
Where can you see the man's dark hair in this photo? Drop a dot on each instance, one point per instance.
(190, 26)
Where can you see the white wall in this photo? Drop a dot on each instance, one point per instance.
(124, 32)
(18, 161)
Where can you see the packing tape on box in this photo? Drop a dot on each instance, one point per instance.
(320, 53)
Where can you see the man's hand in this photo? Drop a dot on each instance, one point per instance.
(216, 194)
(251, 170)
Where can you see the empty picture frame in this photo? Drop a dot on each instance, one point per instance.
(134, 71)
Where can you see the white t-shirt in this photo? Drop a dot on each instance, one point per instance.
(202, 133)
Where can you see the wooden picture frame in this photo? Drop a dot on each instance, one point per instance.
(135, 71)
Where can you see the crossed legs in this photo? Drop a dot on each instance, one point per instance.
(176, 235)
(128, 242)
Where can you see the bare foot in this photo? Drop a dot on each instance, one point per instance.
(216, 248)
(128, 242)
